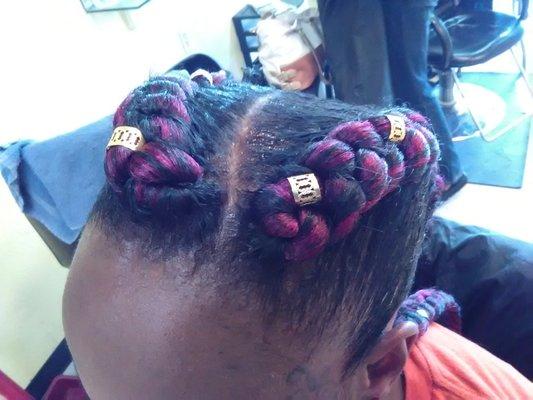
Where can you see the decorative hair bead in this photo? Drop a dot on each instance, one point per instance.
(202, 73)
(305, 189)
(397, 128)
(428, 305)
(127, 136)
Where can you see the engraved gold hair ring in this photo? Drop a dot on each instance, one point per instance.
(305, 189)
(203, 73)
(397, 128)
(126, 136)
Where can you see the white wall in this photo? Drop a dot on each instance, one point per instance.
(61, 68)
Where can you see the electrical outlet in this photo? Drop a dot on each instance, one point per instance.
(185, 42)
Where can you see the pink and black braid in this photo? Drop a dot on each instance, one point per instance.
(356, 166)
(159, 177)
(430, 305)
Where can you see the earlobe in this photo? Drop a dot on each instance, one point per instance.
(383, 367)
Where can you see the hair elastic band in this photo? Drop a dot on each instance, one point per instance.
(397, 128)
(305, 189)
(126, 136)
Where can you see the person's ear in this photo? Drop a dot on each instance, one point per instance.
(385, 363)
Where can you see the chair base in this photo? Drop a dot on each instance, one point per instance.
(485, 122)
(482, 108)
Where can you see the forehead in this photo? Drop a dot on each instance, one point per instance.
(131, 326)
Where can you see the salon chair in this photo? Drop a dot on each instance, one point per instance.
(474, 38)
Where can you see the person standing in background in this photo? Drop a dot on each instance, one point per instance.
(377, 51)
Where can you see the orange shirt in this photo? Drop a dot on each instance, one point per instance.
(445, 366)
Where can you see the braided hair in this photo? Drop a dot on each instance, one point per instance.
(430, 305)
(211, 182)
(357, 167)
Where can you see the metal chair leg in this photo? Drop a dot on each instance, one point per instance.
(522, 70)
(482, 132)
(474, 118)
(446, 84)
(524, 58)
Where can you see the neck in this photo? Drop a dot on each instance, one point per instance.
(397, 390)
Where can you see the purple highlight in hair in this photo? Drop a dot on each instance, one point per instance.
(382, 126)
(418, 118)
(432, 142)
(166, 85)
(164, 104)
(179, 86)
(164, 164)
(397, 171)
(168, 129)
(372, 169)
(356, 134)
(373, 176)
(115, 166)
(138, 193)
(395, 168)
(333, 189)
(179, 110)
(311, 241)
(283, 190)
(144, 195)
(330, 154)
(348, 196)
(282, 225)
(147, 195)
(417, 150)
(343, 228)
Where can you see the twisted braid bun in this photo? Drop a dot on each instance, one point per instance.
(161, 177)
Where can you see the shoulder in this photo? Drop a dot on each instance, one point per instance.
(445, 365)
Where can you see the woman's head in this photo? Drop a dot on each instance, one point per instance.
(201, 276)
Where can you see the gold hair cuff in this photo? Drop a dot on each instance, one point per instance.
(305, 189)
(202, 72)
(397, 128)
(126, 136)
(423, 313)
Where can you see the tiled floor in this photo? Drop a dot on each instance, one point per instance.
(508, 211)
(32, 281)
